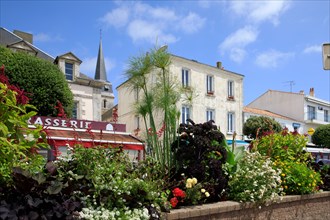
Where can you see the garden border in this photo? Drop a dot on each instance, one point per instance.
(311, 206)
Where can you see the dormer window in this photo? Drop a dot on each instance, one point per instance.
(69, 71)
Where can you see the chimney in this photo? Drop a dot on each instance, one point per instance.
(219, 64)
(25, 36)
(311, 92)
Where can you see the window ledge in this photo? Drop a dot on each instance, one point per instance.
(210, 93)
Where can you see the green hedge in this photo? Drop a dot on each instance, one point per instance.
(42, 80)
(321, 136)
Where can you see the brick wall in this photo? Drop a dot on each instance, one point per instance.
(306, 207)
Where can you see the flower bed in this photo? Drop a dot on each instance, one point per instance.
(312, 206)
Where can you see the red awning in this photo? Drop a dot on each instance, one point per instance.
(91, 138)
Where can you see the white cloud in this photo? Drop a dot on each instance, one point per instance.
(42, 37)
(143, 30)
(191, 23)
(117, 18)
(313, 49)
(260, 11)
(240, 38)
(272, 58)
(88, 66)
(235, 43)
(144, 22)
(237, 54)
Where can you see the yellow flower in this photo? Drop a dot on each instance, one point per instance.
(189, 180)
(194, 181)
(207, 194)
(188, 185)
(203, 190)
(283, 174)
(299, 184)
(285, 187)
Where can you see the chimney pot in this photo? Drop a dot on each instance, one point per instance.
(311, 92)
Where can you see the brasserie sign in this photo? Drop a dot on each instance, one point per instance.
(75, 123)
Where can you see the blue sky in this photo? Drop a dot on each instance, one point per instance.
(272, 43)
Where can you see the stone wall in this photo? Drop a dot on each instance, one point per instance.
(313, 206)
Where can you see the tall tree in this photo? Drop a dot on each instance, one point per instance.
(43, 81)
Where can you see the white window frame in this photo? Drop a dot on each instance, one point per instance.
(67, 75)
(230, 122)
(75, 109)
(326, 115)
(185, 114)
(311, 112)
(230, 90)
(210, 114)
(210, 84)
(185, 77)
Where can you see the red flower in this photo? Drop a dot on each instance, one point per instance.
(178, 193)
(174, 201)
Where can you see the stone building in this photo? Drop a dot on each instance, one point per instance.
(92, 96)
(218, 95)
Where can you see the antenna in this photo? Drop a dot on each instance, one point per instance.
(291, 83)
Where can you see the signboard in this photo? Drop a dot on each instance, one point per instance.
(311, 131)
(296, 125)
(75, 123)
(326, 56)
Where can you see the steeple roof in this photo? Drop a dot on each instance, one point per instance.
(100, 72)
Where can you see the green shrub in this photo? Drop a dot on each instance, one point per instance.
(321, 136)
(258, 125)
(285, 146)
(18, 142)
(297, 178)
(255, 180)
(113, 181)
(43, 81)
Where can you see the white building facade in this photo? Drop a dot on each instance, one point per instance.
(217, 94)
(308, 109)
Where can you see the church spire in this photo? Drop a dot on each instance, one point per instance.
(100, 72)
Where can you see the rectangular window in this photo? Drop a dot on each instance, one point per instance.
(231, 89)
(136, 94)
(311, 114)
(75, 110)
(210, 114)
(137, 122)
(209, 84)
(230, 122)
(69, 71)
(185, 114)
(185, 78)
(326, 115)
